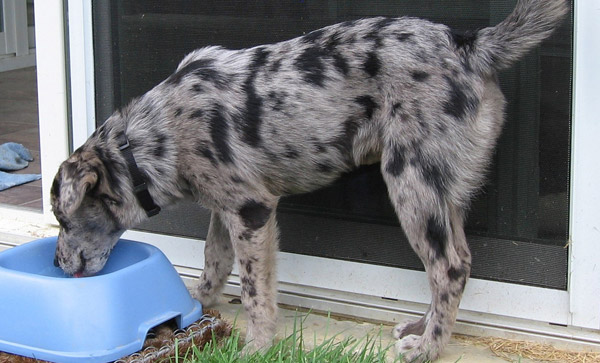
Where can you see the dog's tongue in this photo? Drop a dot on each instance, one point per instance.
(77, 275)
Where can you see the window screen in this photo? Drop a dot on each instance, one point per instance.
(517, 225)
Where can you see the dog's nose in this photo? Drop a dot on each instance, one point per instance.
(56, 261)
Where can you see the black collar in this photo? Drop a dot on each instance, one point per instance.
(140, 188)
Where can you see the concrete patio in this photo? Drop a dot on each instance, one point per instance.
(20, 226)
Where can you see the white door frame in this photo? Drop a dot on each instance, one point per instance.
(489, 303)
(584, 264)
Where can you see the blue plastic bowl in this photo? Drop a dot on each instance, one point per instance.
(47, 315)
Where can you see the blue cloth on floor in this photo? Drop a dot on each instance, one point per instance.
(10, 180)
(15, 156)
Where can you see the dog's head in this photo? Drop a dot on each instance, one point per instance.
(83, 202)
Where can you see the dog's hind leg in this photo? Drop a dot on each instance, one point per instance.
(255, 238)
(434, 228)
(218, 262)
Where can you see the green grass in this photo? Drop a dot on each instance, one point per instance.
(292, 349)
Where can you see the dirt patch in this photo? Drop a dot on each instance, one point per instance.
(511, 350)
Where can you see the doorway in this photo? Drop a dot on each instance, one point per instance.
(18, 98)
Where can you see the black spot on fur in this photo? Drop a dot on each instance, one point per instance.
(159, 148)
(420, 76)
(372, 65)
(204, 150)
(455, 274)
(318, 147)
(105, 156)
(198, 113)
(436, 236)
(344, 141)
(404, 36)
(206, 286)
(445, 298)
(442, 128)
(464, 40)
(178, 112)
(437, 332)
(375, 37)
(176, 77)
(248, 287)
(197, 88)
(458, 102)
(311, 64)
(252, 119)
(276, 65)
(395, 165)
(219, 133)
(259, 59)
(435, 173)
(368, 103)
(341, 64)
(237, 180)
(384, 22)
(254, 214)
(278, 100)
(395, 108)
(324, 167)
(434, 177)
(111, 169)
(332, 42)
(246, 235)
(212, 75)
(291, 152)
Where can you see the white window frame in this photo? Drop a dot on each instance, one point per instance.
(17, 44)
(335, 285)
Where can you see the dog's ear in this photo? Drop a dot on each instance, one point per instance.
(73, 181)
(80, 175)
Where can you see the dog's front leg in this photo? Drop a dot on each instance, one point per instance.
(218, 262)
(255, 239)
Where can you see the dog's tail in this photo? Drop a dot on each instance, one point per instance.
(500, 46)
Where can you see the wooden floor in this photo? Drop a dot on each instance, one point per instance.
(19, 123)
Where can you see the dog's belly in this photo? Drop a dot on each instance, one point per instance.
(309, 171)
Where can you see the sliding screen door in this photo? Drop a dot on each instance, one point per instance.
(517, 225)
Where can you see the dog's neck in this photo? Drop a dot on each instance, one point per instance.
(140, 187)
(147, 147)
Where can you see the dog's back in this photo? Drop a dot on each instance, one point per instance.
(303, 111)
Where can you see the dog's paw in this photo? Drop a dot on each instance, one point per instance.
(249, 349)
(414, 348)
(409, 328)
(255, 346)
(207, 300)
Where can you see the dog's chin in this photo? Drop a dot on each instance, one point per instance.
(88, 269)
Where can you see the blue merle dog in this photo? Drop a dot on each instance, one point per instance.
(237, 129)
